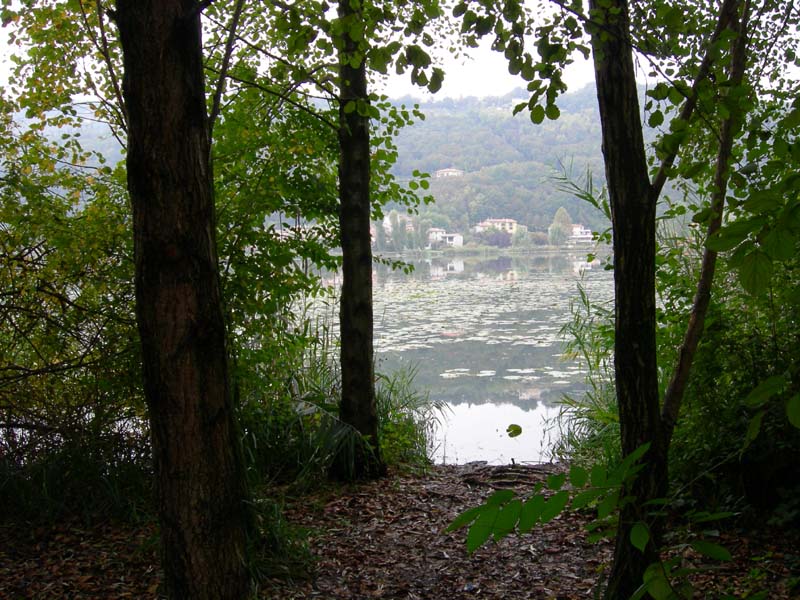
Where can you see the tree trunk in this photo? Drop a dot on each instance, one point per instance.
(200, 479)
(357, 406)
(633, 207)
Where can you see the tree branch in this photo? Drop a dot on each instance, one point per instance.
(727, 15)
(694, 329)
(226, 61)
(101, 45)
(197, 9)
(320, 83)
(283, 97)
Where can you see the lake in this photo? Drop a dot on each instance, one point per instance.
(483, 336)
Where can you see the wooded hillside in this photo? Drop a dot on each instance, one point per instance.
(511, 166)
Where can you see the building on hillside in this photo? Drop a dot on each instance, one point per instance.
(508, 225)
(580, 235)
(438, 236)
(449, 172)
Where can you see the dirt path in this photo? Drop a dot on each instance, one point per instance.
(385, 539)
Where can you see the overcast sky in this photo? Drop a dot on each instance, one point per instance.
(486, 74)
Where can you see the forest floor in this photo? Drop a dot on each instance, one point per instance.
(385, 539)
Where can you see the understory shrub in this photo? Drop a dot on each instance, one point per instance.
(292, 433)
(72, 473)
(730, 444)
(734, 447)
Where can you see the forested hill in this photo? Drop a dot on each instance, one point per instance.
(509, 164)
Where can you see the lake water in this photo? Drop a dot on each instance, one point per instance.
(483, 336)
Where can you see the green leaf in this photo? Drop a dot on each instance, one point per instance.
(537, 114)
(553, 507)
(608, 504)
(552, 112)
(793, 410)
(530, 513)
(705, 517)
(660, 92)
(499, 497)
(640, 535)
(598, 475)
(780, 244)
(725, 239)
(507, 519)
(484, 25)
(765, 390)
(578, 476)
(656, 582)
(755, 272)
(583, 499)
(675, 97)
(792, 119)
(468, 516)
(711, 550)
(513, 430)
(655, 119)
(753, 428)
(437, 77)
(622, 470)
(556, 482)
(761, 201)
(702, 216)
(482, 528)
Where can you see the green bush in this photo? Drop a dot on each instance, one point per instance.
(731, 449)
(728, 447)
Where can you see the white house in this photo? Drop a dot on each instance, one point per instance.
(580, 235)
(449, 172)
(507, 225)
(437, 235)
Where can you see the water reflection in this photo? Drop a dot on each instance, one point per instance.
(485, 425)
(483, 336)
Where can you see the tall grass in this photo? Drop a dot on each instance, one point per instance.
(407, 419)
(292, 436)
(589, 424)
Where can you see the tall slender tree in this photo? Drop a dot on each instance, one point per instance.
(633, 212)
(633, 198)
(710, 94)
(357, 405)
(200, 479)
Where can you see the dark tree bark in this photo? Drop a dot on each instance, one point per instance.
(357, 406)
(200, 479)
(633, 206)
